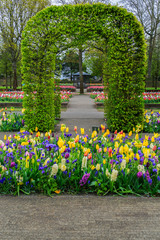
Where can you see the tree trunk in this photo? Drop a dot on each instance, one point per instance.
(71, 73)
(81, 72)
(6, 76)
(10, 79)
(158, 62)
(150, 60)
(14, 66)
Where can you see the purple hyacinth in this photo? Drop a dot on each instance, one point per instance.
(66, 155)
(139, 174)
(13, 164)
(84, 179)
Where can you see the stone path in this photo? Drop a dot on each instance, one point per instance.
(87, 217)
(82, 113)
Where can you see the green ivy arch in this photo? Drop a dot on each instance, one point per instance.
(73, 25)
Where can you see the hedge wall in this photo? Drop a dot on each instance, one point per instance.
(59, 27)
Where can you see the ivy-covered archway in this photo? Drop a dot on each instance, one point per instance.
(74, 25)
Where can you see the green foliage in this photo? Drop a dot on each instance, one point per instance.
(72, 26)
(57, 99)
(94, 61)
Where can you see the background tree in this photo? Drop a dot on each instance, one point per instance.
(94, 62)
(70, 64)
(148, 13)
(81, 1)
(5, 68)
(156, 61)
(13, 17)
(81, 48)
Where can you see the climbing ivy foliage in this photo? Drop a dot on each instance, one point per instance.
(60, 27)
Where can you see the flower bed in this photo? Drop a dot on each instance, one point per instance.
(108, 163)
(17, 96)
(95, 88)
(65, 96)
(11, 121)
(151, 97)
(94, 94)
(152, 121)
(14, 122)
(148, 97)
(68, 88)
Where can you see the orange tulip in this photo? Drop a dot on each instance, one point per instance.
(110, 152)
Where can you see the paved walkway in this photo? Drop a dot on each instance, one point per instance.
(89, 217)
(81, 112)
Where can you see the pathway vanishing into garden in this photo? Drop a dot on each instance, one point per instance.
(81, 112)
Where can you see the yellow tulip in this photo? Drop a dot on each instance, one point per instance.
(63, 127)
(130, 134)
(62, 149)
(97, 146)
(121, 150)
(82, 130)
(94, 134)
(152, 139)
(137, 136)
(60, 142)
(98, 166)
(104, 161)
(137, 156)
(63, 168)
(105, 149)
(116, 145)
(92, 167)
(156, 135)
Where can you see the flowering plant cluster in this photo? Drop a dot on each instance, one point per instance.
(94, 94)
(98, 96)
(151, 121)
(11, 121)
(95, 88)
(104, 163)
(15, 96)
(68, 88)
(65, 96)
(151, 97)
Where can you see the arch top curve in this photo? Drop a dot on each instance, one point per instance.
(75, 25)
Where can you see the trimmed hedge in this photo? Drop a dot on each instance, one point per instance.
(72, 26)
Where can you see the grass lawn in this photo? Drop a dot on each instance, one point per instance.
(152, 88)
